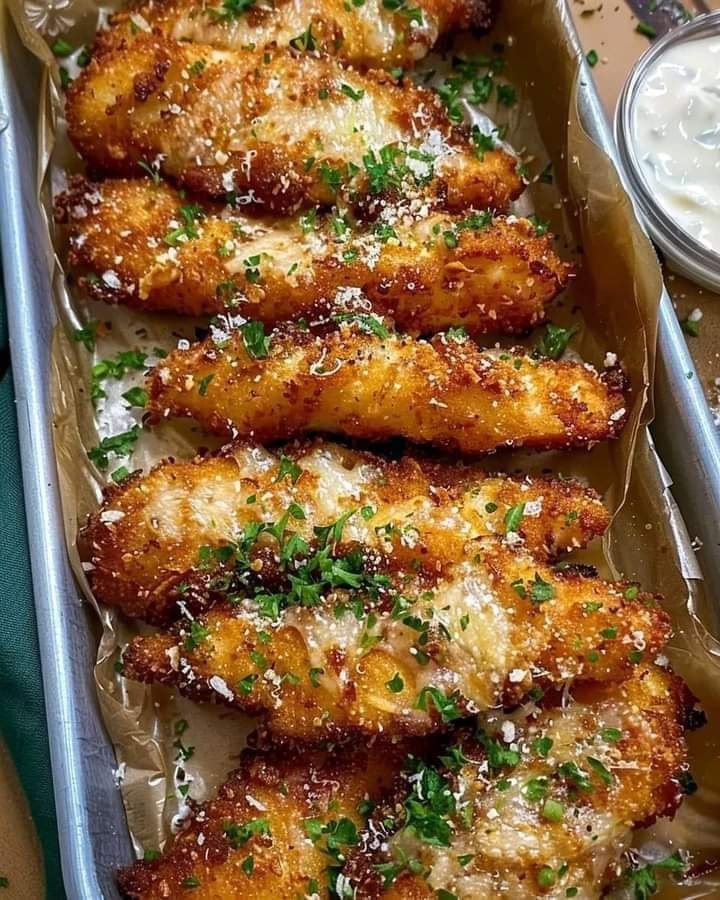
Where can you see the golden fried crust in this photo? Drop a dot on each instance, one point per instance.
(283, 791)
(498, 277)
(147, 535)
(445, 392)
(255, 123)
(496, 626)
(634, 733)
(364, 34)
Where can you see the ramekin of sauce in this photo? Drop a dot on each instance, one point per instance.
(667, 129)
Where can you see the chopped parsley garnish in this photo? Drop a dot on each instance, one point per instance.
(239, 835)
(365, 321)
(255, 341)
(541, 591)
(446, 706)
(396, 684)
(205, 384)
(350, 92)
(691, 326)
(252, 270)
(643, 879)
(555, 341)
(197, 634)
(87, 336)
(230, 10)
(152, 169)
(592, 58)
(123, 362)
(646, 29)
(513, 518)
(118, 444)
(430, 805)
(305, 41)
(288, 468)
(541, 226)
(61, 48)
(136, 396)
(542, 746)
(336, 833)
(498, 756)
(401, 7)
(384, 232)
(191, 214)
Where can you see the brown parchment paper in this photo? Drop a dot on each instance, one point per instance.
(613, 301)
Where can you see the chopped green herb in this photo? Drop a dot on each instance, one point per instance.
(592, 58)
(197, 634)
(255, 341)
(239, 835)
(136, 396)
(513, 518)
(553, 811)
(305, 41)
(555, 341)
(396, 684)
(87, 336)
(367, 322)
(446, 706)
(350, 92)
(118, 444)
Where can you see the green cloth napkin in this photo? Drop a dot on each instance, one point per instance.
(22, 707)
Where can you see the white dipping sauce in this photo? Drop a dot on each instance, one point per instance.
(676, 131)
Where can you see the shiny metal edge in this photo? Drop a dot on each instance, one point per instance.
(685, 435)
(91, 821)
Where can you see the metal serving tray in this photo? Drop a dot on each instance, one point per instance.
(91, 821)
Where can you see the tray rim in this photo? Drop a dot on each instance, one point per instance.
(684, 432)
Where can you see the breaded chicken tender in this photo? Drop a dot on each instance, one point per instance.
(146, 537)
(345, 643)
(278, 129)
(534, 806)
(548, 812)
(372, 33)
(363, 381)
(427, 271)
(266, 835)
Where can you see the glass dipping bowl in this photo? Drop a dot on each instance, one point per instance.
(684, 253)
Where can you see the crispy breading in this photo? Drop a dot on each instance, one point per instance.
(428, 271)
(542, 804)
(407, 658)
(146, 537)
(280, 129)
(260, 814)
(491, 792)
(445, 392)
(365, 34)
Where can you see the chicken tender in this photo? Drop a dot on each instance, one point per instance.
(538, 805)
(145, 539)
(343, 643)
(372, 33)
(278, 129)
(427, 271)
(279, 824)
(363, 381)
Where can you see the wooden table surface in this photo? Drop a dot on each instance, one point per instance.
(609, 29)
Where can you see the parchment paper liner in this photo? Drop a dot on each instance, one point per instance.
(615, 299)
